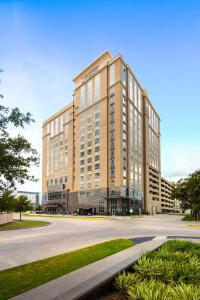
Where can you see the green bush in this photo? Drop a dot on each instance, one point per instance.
(125, 280)
(155, 290)
(149, 290)
(154, 269)
(172, 272)
(185, 292)
(188, 218)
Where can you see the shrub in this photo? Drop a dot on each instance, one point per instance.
(154, 269)
(170, 273)
(155, 290)
(185, 292)
(188, 218)
(126, 280)
(150, 290)
(178, 245)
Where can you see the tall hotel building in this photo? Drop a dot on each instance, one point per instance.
(102, 151)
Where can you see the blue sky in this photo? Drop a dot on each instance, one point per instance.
(43, 44)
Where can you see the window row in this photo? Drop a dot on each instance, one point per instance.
(87, 94)
(56, 181)
(57, 125)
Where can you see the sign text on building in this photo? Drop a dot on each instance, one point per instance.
(88, 75)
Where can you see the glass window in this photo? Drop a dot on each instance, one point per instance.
(56, 126)
(89, 160)
(97, 157)
(89, 91)
(97, 148)
(97, 183)
(139, 99)
(97, 166)
(97, 140)
(82, 153)
(130, 86)
(48, 128)
(89, 168)
(89, 176)
(97, 132)
(65, 179)
(89, 143)
(89, 135)
(97, 87)
(61, 123)
(97, 175)
(82, 146)
(135, 93)
(112, 74)
(82, 131)
(82, 98)
(97, 124)
(89, 127)
(123, 74)
(52, 128)
(82, 123)
(89, 111)
(90, 120)
(89, 151)
(97, 116)
(97, 106)
(66, 117)
(89, 185)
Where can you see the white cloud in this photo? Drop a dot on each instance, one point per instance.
(180, 159)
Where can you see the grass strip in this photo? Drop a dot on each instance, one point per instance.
(70, 217)
(20, 279)
(23, 225)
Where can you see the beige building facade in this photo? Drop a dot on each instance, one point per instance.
(101, 153)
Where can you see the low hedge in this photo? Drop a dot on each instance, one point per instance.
(170, 273)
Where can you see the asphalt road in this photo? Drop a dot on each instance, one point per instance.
(18, 247)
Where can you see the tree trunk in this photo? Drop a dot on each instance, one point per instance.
(20, 213)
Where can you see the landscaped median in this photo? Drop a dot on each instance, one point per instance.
(23, 225)
(20, 279)
(170, 273)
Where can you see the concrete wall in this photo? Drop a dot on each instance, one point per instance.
(6, 218)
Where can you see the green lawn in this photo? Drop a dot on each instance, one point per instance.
(23, 224)
(70, 217)
(20, 279)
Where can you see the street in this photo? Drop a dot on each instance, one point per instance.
(19, 247)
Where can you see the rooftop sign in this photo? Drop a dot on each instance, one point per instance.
(90, 73)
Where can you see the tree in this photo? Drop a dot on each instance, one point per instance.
(187, 191)
(16, 154)
(22, 204)
(38, 207)
(7, 201)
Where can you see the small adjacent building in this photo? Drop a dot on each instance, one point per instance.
(34, 197)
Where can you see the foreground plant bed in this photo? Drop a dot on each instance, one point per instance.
(23, 225)
(170, 273)
(20, 279)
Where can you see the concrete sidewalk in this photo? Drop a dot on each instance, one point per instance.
(85, 280)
